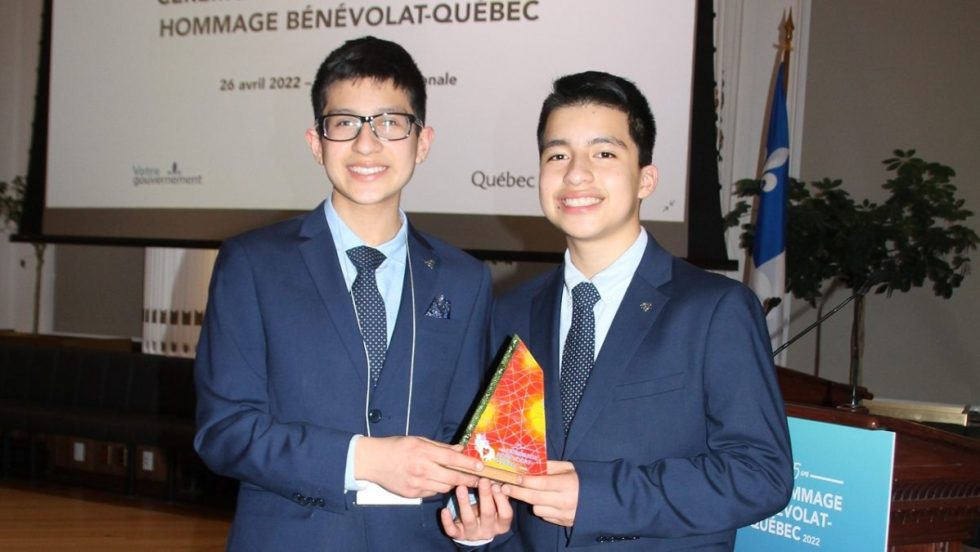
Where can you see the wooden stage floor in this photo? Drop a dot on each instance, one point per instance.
(43, 517)
(46, 518)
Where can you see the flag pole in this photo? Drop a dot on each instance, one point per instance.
(767, 274)
(786, 45)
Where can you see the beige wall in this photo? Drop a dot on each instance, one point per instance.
(20, 31)
(99, 290)
(885, 75)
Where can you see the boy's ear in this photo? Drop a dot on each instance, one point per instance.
(313, 139)
(649, 176)
(427, 135)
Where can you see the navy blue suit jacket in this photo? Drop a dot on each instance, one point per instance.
(680, 436)
(281, 381)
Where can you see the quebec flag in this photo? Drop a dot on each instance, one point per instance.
(768, 275)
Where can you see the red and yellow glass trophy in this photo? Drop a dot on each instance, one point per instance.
(507, 429)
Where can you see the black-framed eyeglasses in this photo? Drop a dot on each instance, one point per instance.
(388, 127)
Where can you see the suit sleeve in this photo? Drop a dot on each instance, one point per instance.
(745, 473)
(236, 434)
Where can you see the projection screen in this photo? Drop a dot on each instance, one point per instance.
(177, 119)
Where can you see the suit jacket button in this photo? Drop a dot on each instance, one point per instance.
(374, 416)
(321, 503)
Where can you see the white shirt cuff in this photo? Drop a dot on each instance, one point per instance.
(351, 484)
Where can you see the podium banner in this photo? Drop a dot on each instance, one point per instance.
(841, 496)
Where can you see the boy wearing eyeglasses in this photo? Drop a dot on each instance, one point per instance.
(343, 348)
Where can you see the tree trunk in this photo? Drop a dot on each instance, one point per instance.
(857, 349)
(38, 272)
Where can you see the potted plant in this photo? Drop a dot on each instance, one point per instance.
(11, 209)
(916, 234)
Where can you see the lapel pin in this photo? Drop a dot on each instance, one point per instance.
(645, 307)
(431, 263)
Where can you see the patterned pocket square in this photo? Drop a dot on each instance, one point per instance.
(439, 308)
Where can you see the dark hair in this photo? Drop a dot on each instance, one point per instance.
(370, 58)
(596, 87)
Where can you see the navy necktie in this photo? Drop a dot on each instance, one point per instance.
(579, 353)
(370, 307)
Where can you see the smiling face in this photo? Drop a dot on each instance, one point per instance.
(367, 174)
(591, 179)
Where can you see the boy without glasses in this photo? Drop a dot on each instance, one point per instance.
(661, 402)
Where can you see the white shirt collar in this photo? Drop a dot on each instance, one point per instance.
(344, 238)
(615, 278)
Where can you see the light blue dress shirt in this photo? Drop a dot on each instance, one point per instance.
(390, 274)
(611, 283)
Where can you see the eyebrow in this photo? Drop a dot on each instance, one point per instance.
(597, 140)
(346, 111)
(607, 140)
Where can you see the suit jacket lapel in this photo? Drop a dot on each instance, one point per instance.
(543, 344)
(320, 256)
(635, 317)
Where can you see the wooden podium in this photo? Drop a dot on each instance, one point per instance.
(936, 485)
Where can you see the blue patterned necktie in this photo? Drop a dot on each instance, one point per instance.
(579, 354)
(370, 307)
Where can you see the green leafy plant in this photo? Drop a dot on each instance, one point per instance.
(11, 210)
(832, 240)
(12, 202)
